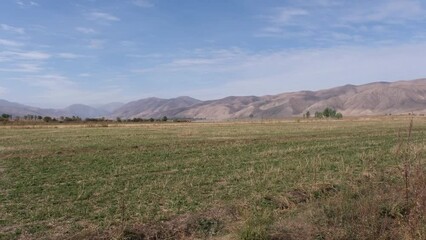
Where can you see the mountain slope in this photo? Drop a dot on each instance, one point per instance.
(369, 99)
(153, 107)
(110, 107)
(83, 111)
(16, 109)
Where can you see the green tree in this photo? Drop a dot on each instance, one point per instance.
(319, 115)
(47, 119)
(329, 112)
(339, 115)
(164, 119)
(308, 114)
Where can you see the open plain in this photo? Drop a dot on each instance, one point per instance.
(296, 179)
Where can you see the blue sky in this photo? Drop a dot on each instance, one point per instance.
(54, 53)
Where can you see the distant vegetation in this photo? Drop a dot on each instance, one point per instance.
(327, 113)
(28, 119)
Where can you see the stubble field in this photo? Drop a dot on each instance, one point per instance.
(348, 179)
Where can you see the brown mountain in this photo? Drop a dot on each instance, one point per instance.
(369, 99)
(154, 107)
(84, 111)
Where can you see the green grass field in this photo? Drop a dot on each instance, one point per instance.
(360, 179)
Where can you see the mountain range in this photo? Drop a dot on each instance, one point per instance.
(376, 98)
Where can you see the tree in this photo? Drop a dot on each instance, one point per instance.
(319, 115)
(339, 115)
(308, 114)
(329, 112)
(6, 116)
(47, 119)
(165, 119)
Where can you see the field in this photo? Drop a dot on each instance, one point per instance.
(348, 179)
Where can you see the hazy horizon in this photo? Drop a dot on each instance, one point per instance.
(57, 53)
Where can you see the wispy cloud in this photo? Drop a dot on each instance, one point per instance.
(85, 30)
(102, 16)
(51, 81)
(23, 68)
(285, 16)
(13, 29)
(60, 90)
(395, 11)
(84, 75)
(152, 55)
(143, 3)
(26, 3)
(96, 43)
(244, 73)
(29, 55)
(69, 55)
(10, 43)
(336, 22)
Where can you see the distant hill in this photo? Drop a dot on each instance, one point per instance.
(110, 107)
(369, 99)
(154, 107)
(83, 111)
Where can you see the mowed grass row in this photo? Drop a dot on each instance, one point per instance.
(57, 182)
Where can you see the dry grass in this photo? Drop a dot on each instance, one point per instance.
(351, 179)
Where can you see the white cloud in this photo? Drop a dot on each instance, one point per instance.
(143, 3)
(84, 75)
(23, 68)
(152, 55)
(102, 16)
(96, 43)
(26, 3)
(10, 43)
(284, 16)
(318, 18)
(9, 28)
(56, 90)
(68, 55)
(395, 11)
(85, 30)
(243, 73)
(30, 55)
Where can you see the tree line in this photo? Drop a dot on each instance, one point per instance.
(326, 113)
(48, 119)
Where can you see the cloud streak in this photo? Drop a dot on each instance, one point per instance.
(12, 29)
(102, 16)
(85, 30)
(143, 3)
(325, 19)
(244, 73)
(10, 43)
(23, 68)
(29, 55)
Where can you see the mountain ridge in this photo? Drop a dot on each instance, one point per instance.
(376, 98)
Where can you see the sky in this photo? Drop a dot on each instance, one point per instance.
(54, 53)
